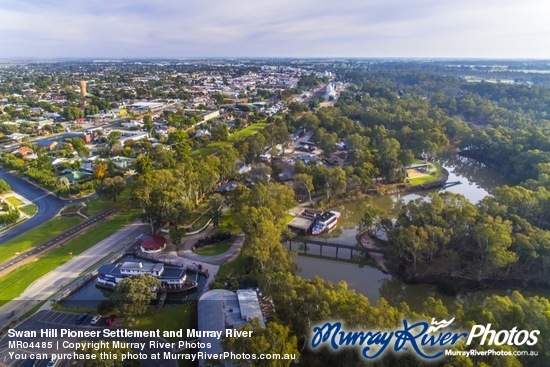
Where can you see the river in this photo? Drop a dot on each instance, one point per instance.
(477, 180)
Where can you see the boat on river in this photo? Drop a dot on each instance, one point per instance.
(325, 222)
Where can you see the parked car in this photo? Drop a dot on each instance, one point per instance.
(110, 320)
(95, 319)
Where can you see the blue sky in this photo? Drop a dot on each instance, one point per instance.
(281, 28)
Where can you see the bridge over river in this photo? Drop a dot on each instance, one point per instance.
(307, 242)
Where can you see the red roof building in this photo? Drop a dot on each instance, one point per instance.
(153, 244)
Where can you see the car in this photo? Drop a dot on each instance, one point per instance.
(81, 319)
(110, 320)
(95, 319)
(52, 363)
(31, 362)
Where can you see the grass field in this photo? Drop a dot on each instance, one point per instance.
(427, 178)
(97, 205)
(247, 131)
(37, 236)
(172, 317)
(214, 249)
(241, 265)
(241, 134)
(227, 223)
(14, 283)
(13, 201)
(30, 209)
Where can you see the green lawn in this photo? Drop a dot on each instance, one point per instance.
(227, 223)
(13, 201)
(18, 280)
(241, 134)
(427, 178)
(171, 317)
(38, 235)
(247, 131)
(199, 223)
(98, 205)
(241, 265)
(214, 249)
(30, 209)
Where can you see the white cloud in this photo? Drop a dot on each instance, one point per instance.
(139, 28)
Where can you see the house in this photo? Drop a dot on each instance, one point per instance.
(25, 153)
(45, 143)
(202, 132)
(122, 163)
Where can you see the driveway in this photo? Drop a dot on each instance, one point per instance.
(48, 205)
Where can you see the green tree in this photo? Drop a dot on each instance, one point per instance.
(275, 338)
(220, 132)
(133, 294)
(4, 186)
(113, 138)
(111, 187)
(148, 123)
(215, 204)
(91, 110)
(80, 146)
(305, 181)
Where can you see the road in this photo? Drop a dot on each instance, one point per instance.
(48, 205)
(51, 283)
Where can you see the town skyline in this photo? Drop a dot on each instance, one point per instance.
(486, 29)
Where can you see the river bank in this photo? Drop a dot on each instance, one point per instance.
(447, 280)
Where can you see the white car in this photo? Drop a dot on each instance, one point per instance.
(95, 319)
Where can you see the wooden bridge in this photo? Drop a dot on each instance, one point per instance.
(338, 246)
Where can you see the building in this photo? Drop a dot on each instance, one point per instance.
(83, 92)
(45, 143)
(153, 244)
(221, 309)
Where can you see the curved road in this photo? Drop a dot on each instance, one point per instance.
(48, 205)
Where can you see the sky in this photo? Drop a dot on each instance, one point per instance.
(276, 28)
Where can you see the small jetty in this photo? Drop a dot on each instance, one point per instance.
(304, 220)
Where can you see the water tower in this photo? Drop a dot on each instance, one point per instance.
(82, 84)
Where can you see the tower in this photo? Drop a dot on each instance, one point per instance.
(83, 93)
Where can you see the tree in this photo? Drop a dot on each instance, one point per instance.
(493, 237)
(371, 217)
(111, 187)
(220, 132)
(275, 338)
(148, 123)
(64, 183)
(72, 113)
(215, 204)
(133, 294)
(91, 110)
(80, 146)
(113, 138)
(306, 181)
(100, 171)
(4, 186)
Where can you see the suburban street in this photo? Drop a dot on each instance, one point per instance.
(48, 205)
(54, 281)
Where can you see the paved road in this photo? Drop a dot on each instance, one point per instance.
(62, 238)
(48, 205)
(51, 283)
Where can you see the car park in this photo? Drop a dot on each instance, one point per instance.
(110, 320)
(95, 319)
